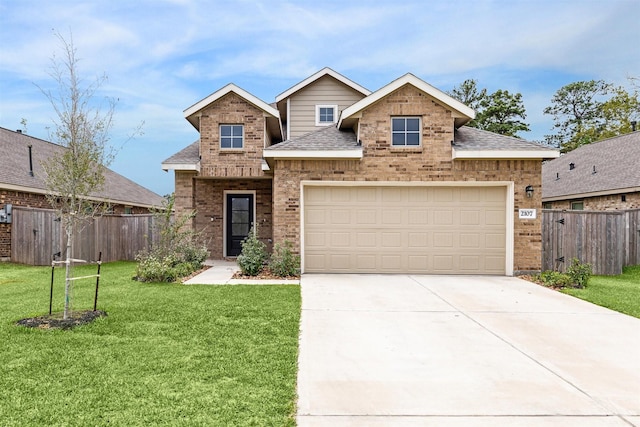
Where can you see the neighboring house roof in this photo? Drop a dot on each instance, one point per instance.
(326, 143)
(185, 159)
(15, 171)
(472, 143)
(600, 168)
(324, 72)
(462, 113)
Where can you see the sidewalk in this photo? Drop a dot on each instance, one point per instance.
(221, 273)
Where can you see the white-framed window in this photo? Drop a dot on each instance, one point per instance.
(231, 136)
(405, 131)
(326, 114)
(577, 206)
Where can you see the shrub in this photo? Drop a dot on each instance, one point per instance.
(177, 252)
(554, 279)
(283, 261)
(253, 255)
(579, 273)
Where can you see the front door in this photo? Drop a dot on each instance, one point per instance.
(239, 221)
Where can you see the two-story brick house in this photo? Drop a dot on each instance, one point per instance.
(359, 181)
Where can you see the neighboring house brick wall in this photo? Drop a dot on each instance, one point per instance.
(602, 203)
(245, 162)
(209, 198)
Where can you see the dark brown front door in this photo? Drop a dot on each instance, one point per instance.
(239, 221)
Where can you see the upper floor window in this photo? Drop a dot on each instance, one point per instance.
(326, 114)
(405, 131)
(231, 136)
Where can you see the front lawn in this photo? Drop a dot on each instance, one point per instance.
(166, 354)
(620, 293)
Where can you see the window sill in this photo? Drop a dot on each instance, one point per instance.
(231, 150)
(410, 149)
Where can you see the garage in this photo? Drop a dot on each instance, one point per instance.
(417, 229)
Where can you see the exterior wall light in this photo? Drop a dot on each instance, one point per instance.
(529, 191)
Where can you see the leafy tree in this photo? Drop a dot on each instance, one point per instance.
(82, 126)
(577, 111)
(500, 112)
(588, 111)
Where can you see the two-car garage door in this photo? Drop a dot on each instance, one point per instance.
(405, 229)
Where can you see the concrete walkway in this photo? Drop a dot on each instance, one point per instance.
(221, 272)
(462, 351)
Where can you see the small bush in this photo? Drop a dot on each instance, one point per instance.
(554, 279)
(253, 255)
(283, 261)
(178, 252)
(579, 273)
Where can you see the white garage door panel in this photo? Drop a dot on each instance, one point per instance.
(438, 230)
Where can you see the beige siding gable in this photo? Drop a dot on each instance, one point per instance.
(324, 91)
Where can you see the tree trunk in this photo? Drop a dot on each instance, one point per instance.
(67, 282)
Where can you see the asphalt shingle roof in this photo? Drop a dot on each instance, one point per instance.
(468, 138)
(616, 161)
(327, 138)
(14, 170)
(188, 155)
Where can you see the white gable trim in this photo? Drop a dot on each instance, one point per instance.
(504, 154)
(238, 91)
(397, 84)
(181, 166)
(324, 72)
(313, 154)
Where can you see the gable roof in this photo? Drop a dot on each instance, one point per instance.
(616, 170)
(14, 172)
(472, 143)
(326, 71)
(257, 102)
(464, 113)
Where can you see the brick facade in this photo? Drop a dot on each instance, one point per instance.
(601, 203)
(278, 198)
(245, 162)
(430, 162)
(209, 199)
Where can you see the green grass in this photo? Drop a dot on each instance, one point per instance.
(165, 354)
(620, 293)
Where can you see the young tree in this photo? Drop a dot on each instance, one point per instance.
(82, 125)
(500, 112)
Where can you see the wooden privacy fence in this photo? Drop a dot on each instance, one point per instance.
(37, 235)
(608, 240)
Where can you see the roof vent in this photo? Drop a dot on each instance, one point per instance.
(19, 130)
(594, 170)
(557, 176)
(633, 126)
(572, 166)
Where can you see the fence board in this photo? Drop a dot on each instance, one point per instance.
(36, 236)
(608, 240)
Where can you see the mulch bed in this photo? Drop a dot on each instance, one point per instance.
(265, 274)
(55, 321)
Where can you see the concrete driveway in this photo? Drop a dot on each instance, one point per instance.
(400, 350)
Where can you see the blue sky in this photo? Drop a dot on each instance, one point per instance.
(162, 56)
